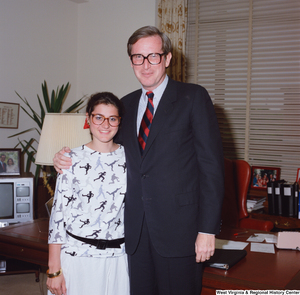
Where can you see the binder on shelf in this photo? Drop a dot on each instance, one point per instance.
(271, 197)
(299, 208)
(278, 197)
(283, 198)
(287, 193)
(296, 200)
(225, 258)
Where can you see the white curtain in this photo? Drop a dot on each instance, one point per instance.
(172, 18)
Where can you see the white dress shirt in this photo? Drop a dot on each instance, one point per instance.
(158, 92)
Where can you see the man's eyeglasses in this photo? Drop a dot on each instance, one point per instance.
(113, 121)
(153, 58)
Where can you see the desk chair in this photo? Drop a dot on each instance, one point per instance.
(234, 211)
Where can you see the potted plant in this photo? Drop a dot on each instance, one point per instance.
(49, 104)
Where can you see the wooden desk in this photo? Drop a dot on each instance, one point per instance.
(260, 271)
(26, 241)
(281, 223)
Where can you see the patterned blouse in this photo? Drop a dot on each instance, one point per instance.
(89, 202)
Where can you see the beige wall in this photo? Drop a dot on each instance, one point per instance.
(61, 41)
(38, 41)
(104, 28)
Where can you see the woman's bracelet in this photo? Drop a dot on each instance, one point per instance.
(54, 275)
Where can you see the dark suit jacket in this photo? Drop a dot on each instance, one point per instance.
(2, 169)
(178, 183)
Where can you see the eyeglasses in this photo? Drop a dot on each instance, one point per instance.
(153, 58)
(99, 119)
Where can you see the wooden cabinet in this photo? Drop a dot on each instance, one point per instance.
(41, 197)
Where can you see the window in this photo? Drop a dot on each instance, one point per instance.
(246, 53)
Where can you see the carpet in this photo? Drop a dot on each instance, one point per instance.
(24, 284)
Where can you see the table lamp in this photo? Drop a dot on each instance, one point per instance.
(59, 130)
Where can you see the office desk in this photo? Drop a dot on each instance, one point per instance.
(26, 241)
(260, 271)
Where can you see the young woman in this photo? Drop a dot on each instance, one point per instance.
(86, 231)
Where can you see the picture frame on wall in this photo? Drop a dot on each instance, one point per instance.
(262, 175)
(9, 115)
(10, 162)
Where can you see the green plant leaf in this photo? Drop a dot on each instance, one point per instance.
(60, 97)
(28, 146)
(34, 116)
(30, 154)
(75, 106)
(42, 112)
(53, 100)
(22, 132)
(46, 95)
(30, 159)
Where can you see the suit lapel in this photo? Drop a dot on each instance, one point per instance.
(132, 132)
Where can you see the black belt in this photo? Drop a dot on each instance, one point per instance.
(99, 243)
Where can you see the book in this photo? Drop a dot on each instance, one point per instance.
(225, 258)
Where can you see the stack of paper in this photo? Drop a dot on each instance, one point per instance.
(255, 203)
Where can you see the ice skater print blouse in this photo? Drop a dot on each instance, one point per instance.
(89, 202)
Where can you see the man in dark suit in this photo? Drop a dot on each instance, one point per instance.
(175, 184)
(2, 163)
(175, 188)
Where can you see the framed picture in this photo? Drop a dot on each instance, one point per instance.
(262, 175)
(298, 176)
(10, 162)
(9, 115)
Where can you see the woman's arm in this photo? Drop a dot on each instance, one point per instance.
(57, 284)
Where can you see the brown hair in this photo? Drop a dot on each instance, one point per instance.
(104, 98)
(149, 31)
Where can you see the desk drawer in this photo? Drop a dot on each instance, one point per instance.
(24, 253)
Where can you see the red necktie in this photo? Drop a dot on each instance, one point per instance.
(146, 122)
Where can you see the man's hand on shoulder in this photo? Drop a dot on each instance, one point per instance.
(60, 161)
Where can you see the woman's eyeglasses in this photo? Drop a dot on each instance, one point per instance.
(113, 121)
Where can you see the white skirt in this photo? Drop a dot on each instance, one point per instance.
(95, 276)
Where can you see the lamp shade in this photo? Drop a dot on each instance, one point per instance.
(59, 130)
